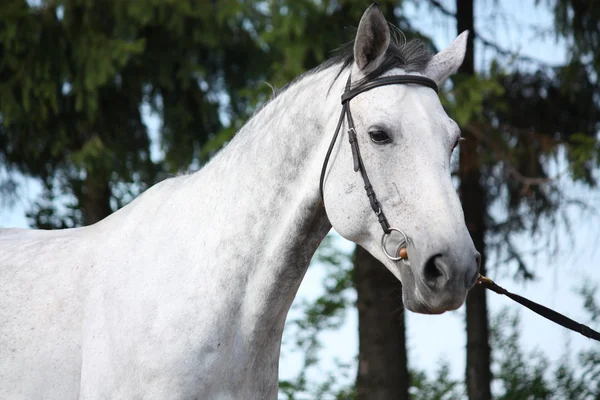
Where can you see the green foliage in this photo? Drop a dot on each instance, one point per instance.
(584, 154)
(579, 379)
(578, 22)
(520, 374)
(74, 75)
(467, 100)
(527, 374)
(588, 292)
(439, 387)
(524, 124)
(57, 207)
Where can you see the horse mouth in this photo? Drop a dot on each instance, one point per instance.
(440, 303)
(421, 308)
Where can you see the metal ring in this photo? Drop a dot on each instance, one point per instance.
(383, 242)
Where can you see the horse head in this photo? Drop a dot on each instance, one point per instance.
(404, 140)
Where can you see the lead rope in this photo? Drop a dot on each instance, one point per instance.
(545, 312)
(537, 308)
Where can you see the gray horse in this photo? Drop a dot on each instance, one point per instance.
(183, 293)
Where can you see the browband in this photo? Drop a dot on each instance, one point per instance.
(389, 80)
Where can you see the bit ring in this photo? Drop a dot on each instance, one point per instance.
(384, 241)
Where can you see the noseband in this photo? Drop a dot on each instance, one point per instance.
(348, 95)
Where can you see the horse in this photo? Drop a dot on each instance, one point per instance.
(183, 293)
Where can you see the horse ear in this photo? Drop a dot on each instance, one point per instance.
(372, 39)
(447, 61)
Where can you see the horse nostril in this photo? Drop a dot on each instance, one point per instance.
(478, 260)
(434, 270)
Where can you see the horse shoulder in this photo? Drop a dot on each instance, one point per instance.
(42, 281)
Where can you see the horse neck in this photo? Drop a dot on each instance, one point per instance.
(268, 187)
(274, 162)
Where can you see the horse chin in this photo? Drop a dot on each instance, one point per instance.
(419, 307)
(417, 304)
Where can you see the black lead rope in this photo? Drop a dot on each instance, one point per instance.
(348, 95)
(545, 312)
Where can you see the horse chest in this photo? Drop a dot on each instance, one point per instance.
(179, 356)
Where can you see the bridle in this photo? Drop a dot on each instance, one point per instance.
(359, 165)
(487, 283)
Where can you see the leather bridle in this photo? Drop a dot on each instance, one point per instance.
(359, 165)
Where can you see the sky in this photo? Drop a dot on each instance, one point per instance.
(433, 338)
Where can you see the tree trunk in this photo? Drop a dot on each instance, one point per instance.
(478, 374)
(95, 200)
(382, 362)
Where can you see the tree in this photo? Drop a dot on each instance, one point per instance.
(473, 198)
(515, 122)
(74, 76)
(524, 373)
(382, 356)
(383, 371)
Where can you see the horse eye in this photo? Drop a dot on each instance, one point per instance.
(457, 142)
(379, 137)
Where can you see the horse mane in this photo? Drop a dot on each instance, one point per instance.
(409, 55)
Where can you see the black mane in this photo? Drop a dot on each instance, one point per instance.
(411, 56)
